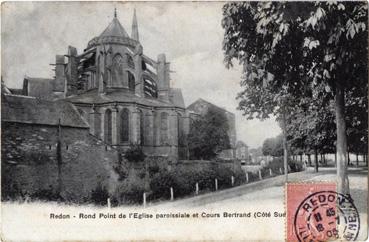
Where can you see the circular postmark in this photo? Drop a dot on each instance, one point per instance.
(327, 215)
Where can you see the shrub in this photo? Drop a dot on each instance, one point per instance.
(121, 171)
(99, 195)
(183, 180)
(296, 166)
(47, 194)
(223, 174)
(141, 173)
(153, 169)
(9, 189)
(129, 192)
(239, 176)
(135, 154)
(160, 184)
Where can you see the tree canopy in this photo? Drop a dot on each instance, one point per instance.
(273, 146)
(209, 134)
(302, 61)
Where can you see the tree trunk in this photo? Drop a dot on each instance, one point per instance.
(348, 159)
(316, 160)
(300, 158)
(285, 152)
(309, 159)
(342, 179)
(335, 159)
(357, 159)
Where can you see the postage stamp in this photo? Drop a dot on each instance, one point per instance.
(316, 212)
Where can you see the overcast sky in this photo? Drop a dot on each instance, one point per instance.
(190, 34)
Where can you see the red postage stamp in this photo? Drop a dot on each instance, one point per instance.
(316, 212)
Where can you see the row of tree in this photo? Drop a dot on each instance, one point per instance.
(306, 64)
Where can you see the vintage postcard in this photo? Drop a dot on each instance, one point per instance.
(184, 121)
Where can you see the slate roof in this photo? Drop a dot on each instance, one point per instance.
(123, 96)
(196, 107)
(114, 29)
(30, 110)
(16, 91)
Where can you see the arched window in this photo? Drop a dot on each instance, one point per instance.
(117, 70)
(130, 61)
(124, 125)
(131, 82)
(164, 126)
(108, 127)
(97, 124)
(142, 128)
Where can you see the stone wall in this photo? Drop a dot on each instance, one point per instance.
(29, 160)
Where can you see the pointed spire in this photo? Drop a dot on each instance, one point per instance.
(115, 12)
(134, 34)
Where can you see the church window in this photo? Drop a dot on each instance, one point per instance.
(108, 126)
(164, 127)
(117, 70)
(131, 82)
(124, 123)
(130, 62)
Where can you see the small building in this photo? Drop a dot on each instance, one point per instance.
(242, 151)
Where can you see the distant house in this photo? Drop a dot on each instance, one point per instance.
(242, 151)
(201, 106)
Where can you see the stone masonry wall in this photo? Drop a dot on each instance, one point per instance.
(29, 160)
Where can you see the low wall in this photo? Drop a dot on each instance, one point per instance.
(29, 161)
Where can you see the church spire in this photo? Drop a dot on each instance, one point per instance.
(134, 34)
(115, 12)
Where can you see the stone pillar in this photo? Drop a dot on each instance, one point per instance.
(91, 120)
(157, 126)
(163, 78)
(186, 131)
(173, 128)
(102, 128)
(59, 83)
(173, 134)
(138, 71)
(100, 70)
(72, 71)
(114, 126)
(149, 136)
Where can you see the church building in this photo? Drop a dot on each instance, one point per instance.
(124, 95)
